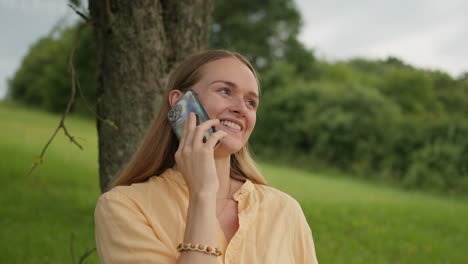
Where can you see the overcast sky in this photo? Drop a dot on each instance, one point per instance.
(426, 33)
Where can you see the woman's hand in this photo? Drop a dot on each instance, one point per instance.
(195, 159)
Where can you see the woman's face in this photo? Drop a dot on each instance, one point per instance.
(228, 91)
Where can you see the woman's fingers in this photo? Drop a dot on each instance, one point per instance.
(184, 134)
(191, 125)
(214, 138)
(192, 137)
(201, 130)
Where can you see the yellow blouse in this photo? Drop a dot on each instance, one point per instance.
(145, 222)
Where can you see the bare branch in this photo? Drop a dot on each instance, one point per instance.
(90, 109)
(75, 83)
(85, 255)
(38, 160)
(85, 17)
(72, 251)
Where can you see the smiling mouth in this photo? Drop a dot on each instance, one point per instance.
(231, 125)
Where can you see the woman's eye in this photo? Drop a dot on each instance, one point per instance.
(252, 103)
(224, 90)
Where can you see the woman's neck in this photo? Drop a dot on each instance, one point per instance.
(223, 170)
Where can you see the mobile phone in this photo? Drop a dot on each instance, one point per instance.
(181, 110)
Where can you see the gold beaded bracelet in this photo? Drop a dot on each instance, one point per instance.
(199, 247)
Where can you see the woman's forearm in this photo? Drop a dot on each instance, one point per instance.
(200, 228)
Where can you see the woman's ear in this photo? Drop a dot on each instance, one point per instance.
(174, 97)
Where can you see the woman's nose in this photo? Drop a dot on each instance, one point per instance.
(239, 107)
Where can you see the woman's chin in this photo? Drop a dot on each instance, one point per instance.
(226, 149)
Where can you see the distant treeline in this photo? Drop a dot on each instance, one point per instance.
(380, 119)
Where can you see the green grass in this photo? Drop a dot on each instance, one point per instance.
(352, 221)
(38, 213)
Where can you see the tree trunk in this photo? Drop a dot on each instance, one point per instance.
(138, 44)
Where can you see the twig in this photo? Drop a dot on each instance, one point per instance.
(71, 70)
(85, 17)
(72, 252)
(85, 255)
(90, 109)
(88, 20)
(75, 83)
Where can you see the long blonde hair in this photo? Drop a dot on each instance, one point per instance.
(157, 150)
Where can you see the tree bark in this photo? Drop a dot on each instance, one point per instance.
(138, 43)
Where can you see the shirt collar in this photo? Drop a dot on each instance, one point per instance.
(244, 191)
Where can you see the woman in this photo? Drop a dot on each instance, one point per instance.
(191, 191)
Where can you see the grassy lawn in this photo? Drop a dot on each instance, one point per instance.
(352, 222)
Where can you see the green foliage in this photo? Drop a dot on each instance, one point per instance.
(451, 93)
(341, 125)
(440, 160)
(379, 119)
(264, 31)
(412, 90)
(43, 79)
(270, 35)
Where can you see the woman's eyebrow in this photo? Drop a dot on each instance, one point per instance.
(225, 82)
(233, 85)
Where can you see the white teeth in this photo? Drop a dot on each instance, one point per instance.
(231, 124)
